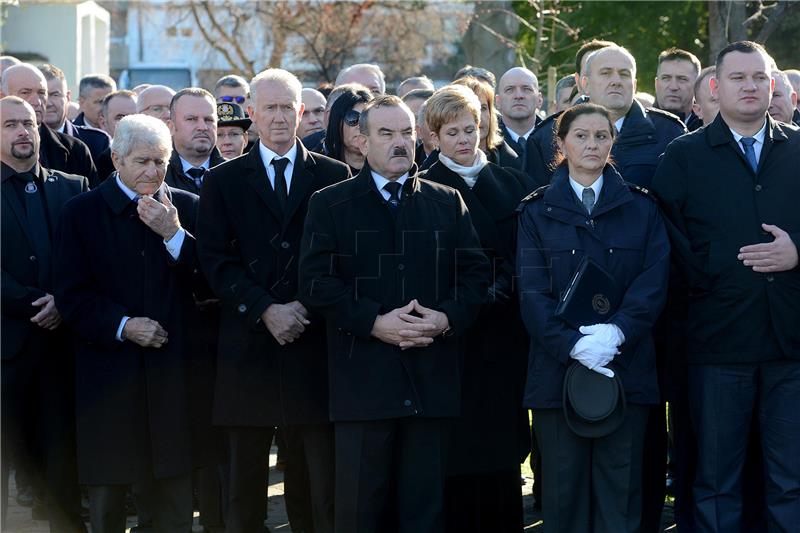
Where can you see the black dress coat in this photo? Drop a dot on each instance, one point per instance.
(59, 151)
(493, 423)
(645, 134)
(504, 156)
(249, 252)
(359, 261)
(97, 141)
(715, 204)
(175, 176)
(132, 416)
(625, 234)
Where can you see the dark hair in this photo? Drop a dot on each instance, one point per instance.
(113, 94)
(704, 74)
(564, 123)
(325, 88)
(95, 81)
(678, 54)
(587, 48)
(190, 91)
(383, 100)
(480, 73)
(745, 47)
(344, 103)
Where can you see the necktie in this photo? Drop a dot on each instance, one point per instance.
(587, 197)
(197, 175)
(522, 141)
(749, 151)
(393, 188)
(38, 227)
(280, 163)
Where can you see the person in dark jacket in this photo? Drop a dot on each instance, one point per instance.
(591, 484)
(271, 363)
(124, 259)
(675, 78)
(643, 133)
(393, 263)
(518, 101)
(491, 437)
(38, 407)
(341, 134)
(492, 143)
(729, 194)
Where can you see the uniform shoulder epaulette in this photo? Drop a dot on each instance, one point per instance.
(549, 120)
(535, 195)
(665, 114)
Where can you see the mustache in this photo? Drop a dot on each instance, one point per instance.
(400, 151)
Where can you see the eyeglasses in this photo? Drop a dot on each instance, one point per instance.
(156, 109)
(352, 117)
(232, 135)
(238, 99)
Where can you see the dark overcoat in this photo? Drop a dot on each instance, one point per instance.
(132, 417)
(715, 204)
(359, 261)
(645, 134)
(175, 176)
(625, 234)
(493, 423)
(59, 151)
(249, 252)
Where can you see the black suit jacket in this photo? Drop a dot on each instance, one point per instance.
(96, 140)
(175, 176)
(59, 151)
(359, 261)
(715, 204)
(249, 252)
(132, 415)
(20, 281)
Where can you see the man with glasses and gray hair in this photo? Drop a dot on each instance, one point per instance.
(154, 101)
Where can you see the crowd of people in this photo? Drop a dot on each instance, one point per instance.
(414, 293)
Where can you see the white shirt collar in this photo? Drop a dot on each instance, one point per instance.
(516, 137)
(186, 165)
(597, 186)
(618, 124)
(268, 155)
(759, 136)
(128, 192)
(380, 181)
(62, 128)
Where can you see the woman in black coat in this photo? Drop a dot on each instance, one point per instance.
(491, 437)
(341, 137)
(591, 483)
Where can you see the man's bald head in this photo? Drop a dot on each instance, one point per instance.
(518, 98)
(154, 101)
(27, 82)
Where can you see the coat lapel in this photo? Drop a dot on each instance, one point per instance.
(302, 181)
(11, 201)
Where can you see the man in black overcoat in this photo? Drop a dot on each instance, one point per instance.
(394, 265)
(124, 261)
(38, 408)
(729, 194)
(271, 369)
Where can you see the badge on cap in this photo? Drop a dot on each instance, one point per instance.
(30, 187)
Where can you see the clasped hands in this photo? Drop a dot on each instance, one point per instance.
(598, 347)
(159, 216)
(286, 322)
(401, 328)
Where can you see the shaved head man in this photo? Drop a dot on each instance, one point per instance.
(369, 75)
(313, 119)
(518, 99)
(154, 101)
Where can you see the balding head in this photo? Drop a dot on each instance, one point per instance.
(367, 74)
(794, 78)
(784, 98)
(19, 137)
(27, 82)
(610, 79)
(518, 98)
(8, 61)
(313, 119)
(154, 101)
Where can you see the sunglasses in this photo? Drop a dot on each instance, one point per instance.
(228, 99)
(351, 118)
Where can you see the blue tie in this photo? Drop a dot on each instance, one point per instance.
(749, 152)
(394, 196)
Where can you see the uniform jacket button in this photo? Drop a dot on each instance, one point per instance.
(242, 308)
(407, 403)
(32, 258)
(285, 245)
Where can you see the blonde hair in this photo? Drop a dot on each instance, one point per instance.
(447, 103)
(483, 89)
(277, 75)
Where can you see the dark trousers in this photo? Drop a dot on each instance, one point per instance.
(724, 401)
(248, 467)
(170, 500)
(38, 428)
(208, 487)
(308, 477)
(684, 445)
(378, 459)
(654, 469)
(591, 485)
(484, 503)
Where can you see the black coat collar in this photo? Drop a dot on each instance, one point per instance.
(116, 198)
(636, 122)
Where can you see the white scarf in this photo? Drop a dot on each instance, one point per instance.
(468, 174)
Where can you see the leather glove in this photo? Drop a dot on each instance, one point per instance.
(607, 334)
(594, 355)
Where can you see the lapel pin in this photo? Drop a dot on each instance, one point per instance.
(51, 179)
(30, 187)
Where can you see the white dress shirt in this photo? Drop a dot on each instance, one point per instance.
(186, 165)
(759, 137)
(268, 155)
(516, 137)
(173, 245)
(597, 186)
(618, 124)
(380, 181)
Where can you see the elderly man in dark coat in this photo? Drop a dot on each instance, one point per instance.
(125, 258)
(394, 265)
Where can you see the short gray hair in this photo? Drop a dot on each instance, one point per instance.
(139, 129)
(363, 66)
(277, 75)
(615, 48)
(787, 83)
(95, 81)
(232, 80)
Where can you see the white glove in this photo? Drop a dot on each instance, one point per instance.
(594, 355)
(607, 334)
